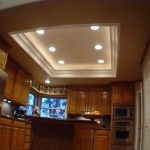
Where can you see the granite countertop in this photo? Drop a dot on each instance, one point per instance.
(67, 120)
(16, 119)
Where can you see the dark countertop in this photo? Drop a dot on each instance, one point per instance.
(15, 119)
(72, 121)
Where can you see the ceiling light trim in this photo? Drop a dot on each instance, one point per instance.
(75, 71)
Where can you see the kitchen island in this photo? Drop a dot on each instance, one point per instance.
(68, 134)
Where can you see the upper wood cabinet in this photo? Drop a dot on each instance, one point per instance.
(11, 70)
(3, 59)
(72, 98)
(123, 94)
(104, 101)
(83, 99)
(17, 84)
(22, 86)
(93, 100)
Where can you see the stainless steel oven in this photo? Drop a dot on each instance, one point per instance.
(124, 112)
(122, 132)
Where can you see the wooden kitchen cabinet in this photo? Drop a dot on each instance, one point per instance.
(27, 136)
(82, 100)
(22, 86)
(101, 140)
(3, 59)
(72, 97)
(11, 70)
(14, 135)
(93, 100)
(5, 134)
(17, 84)
(91, 139)
(18, 135)
(123, 94)
(82, 139)
(104, 103)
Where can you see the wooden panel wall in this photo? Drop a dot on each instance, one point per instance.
(51, 136)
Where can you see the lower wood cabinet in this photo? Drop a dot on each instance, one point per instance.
(27, 136)
(5, 134)
(14, 135)
(82, 140)
(101, 140)
(18, 135)
(91, 139)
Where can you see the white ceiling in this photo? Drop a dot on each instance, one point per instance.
(75, 46)
(4, 4)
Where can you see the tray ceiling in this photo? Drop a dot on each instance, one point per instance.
(74, 46)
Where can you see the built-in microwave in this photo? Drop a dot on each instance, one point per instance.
(123, 112)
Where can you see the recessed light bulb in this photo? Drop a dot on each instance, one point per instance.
(61, 62)
(40, 31)
(100, 61)
(47, 81)
(52, 49)
(94, 28)
(98, 47)
(9, 102)
(5, 100)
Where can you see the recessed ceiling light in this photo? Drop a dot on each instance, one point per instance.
(5, 100)
(40, 31)
(94, 28)
(98, 47)
(61, 62)
(52, 49)
(47, 81)
(9, 102)
(100, 61)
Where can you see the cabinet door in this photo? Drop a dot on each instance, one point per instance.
(118, 94)
(21, 88)
(21, 138)
(129, 94)
(101, 141)
(3, 59)
(104, 101)
(93, 100)
(72, 97)
(25, 87)
(83, 140)
(82, 101)
(18, 136)
(17, 87)
(11, 70)
(5, 137)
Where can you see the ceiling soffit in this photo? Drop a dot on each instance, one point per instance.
(76, 66)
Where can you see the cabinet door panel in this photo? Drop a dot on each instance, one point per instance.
(11, 70)
(129, 94)
(118, 94)
(93, 101)
(101, 142)
(72, 98)
(6, 138)
(17, 87)
(82, 101)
